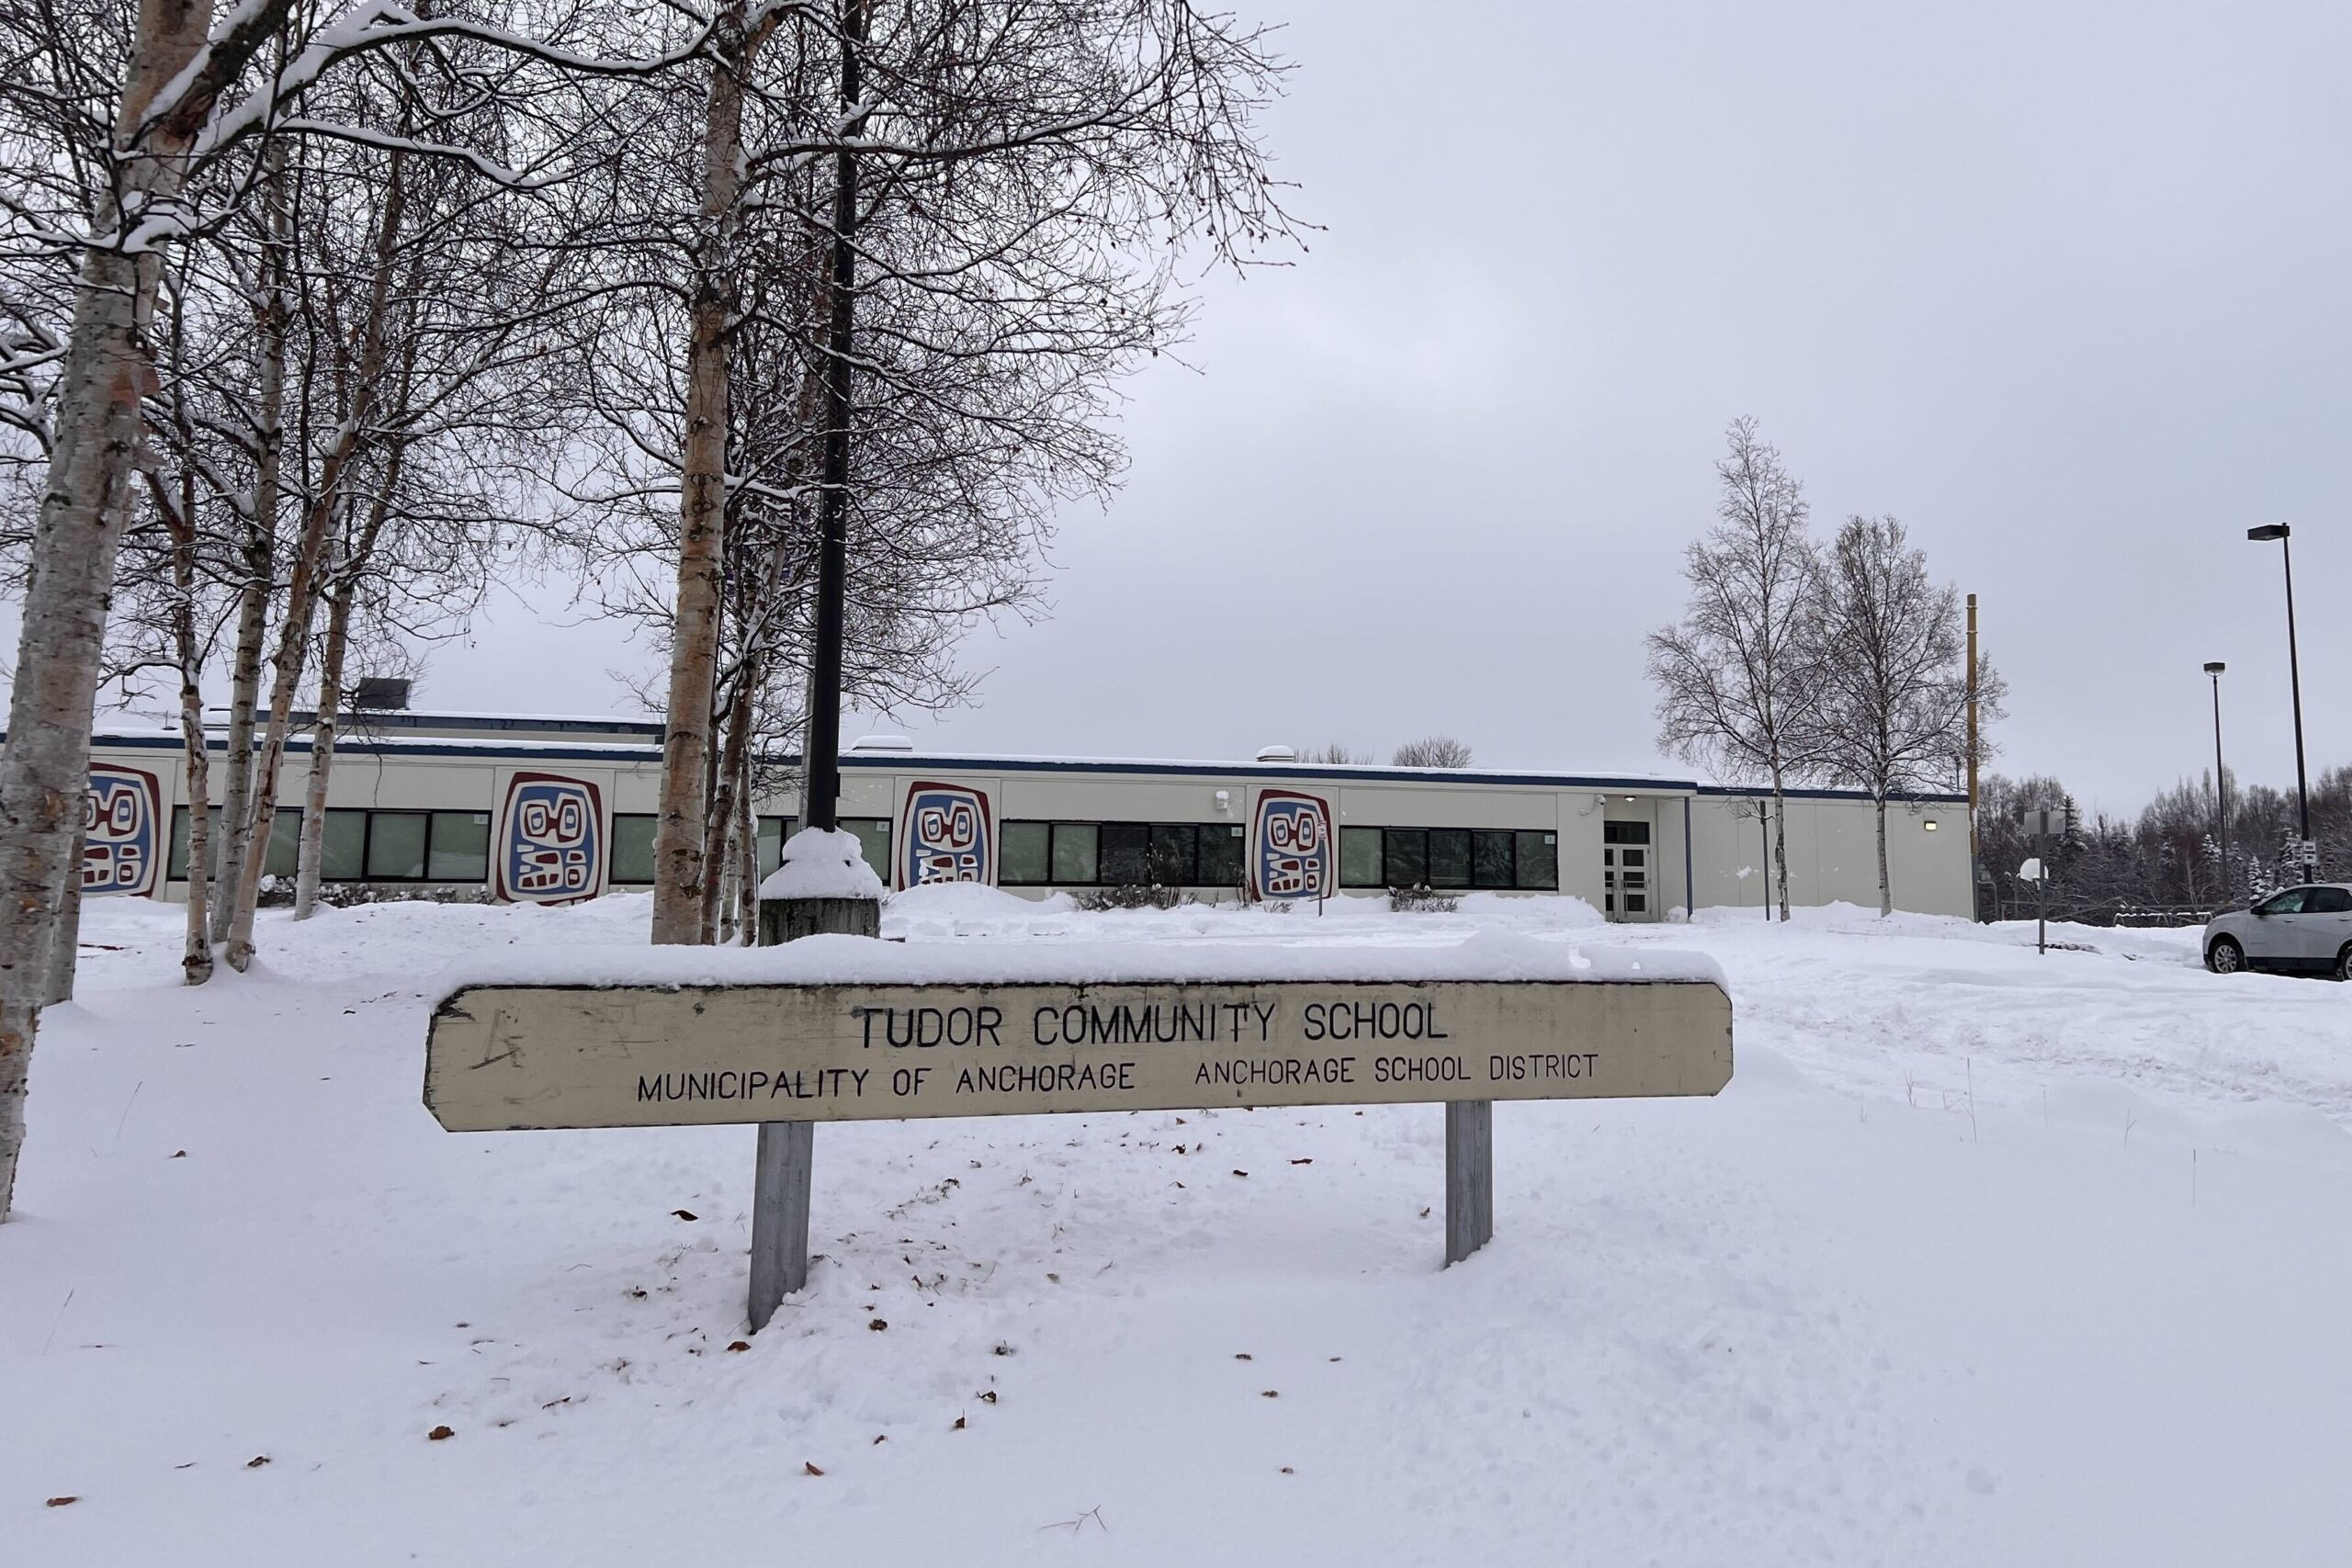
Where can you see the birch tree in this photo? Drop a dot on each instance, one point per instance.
(1893, 668)
(1738, 678)
(991, 196)
(183, 106)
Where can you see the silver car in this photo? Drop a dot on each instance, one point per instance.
(2306, 928)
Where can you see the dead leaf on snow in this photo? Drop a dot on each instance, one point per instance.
(61, 1502)
(440, 1434)
(684, 1213)
(257, 1461)
(810, 1467)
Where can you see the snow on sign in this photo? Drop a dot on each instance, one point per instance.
(827, 1048)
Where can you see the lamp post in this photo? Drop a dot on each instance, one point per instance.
(2221, 785)
(2279, 531)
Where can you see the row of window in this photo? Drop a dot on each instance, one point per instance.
(633, 844)
(1188, 854)
(1120, 854)
(361, 845)
(366, 846)
(1501, 858)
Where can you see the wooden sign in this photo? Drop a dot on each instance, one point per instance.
(503, 1057)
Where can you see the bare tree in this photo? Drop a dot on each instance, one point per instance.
(1335, 754)
(107, 174)
(1433, 752)
(1737, 679)
(1894, 671)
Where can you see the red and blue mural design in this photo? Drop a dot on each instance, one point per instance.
(122, 836)
(945, 836)
(550, 841)
(1295, 854)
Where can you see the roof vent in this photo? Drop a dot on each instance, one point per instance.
(882, 743)
(1277, 754)
(379, 692)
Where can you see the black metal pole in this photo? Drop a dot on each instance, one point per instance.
(821, 753)
(2295, 680)
(2221, 792)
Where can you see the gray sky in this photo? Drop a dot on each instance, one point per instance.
(2060, 285)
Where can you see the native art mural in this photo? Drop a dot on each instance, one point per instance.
(1295, 855)
(122, 840)
(945, 836)
(551, 841)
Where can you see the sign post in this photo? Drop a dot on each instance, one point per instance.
(835, 1030)
(819, 898)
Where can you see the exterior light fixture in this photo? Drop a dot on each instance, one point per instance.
(1929, 825)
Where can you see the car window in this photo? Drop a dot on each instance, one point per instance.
(2290, 902)
(2327, 901)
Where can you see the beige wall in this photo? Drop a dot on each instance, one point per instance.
(1831, 841)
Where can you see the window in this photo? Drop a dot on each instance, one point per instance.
(1175, 855)
(395, 845)
(2290, 902)
(344, 849)
(1221, 856)
(773, 832)
(460, 847)
(1360, 862)
(2327, 901)
(1026, 857)
(1077, 853)
(1115, 854)
(1127, 854)
(1539, 860)
(873, 837)
(1624, 832)
(1405, 857)
(1492, 864)
(1449, 857)
(632, 857)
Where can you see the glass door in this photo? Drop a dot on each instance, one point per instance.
(1626, 871)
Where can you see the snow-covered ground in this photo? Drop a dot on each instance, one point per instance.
(1985, 1257)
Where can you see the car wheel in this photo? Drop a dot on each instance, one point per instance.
(2344, 962)
(2226, 957)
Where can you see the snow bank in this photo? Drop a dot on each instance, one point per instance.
(823, 862)
(861, 961)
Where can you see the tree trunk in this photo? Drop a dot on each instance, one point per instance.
(1781, 838)
(747, 859)
(302, 585)
(681, 835)
(195, 954)
(261, 538)
(65, 944)
(1885, 889)
(45, 771)
(719, 908)
(311, 861)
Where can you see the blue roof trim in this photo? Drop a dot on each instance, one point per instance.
(346, 745)
(916, 761)
(1907, 797)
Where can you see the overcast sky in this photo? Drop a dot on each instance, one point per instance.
(2061, 285)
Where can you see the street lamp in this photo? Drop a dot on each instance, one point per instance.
(2279, 531)
(2222, 783)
